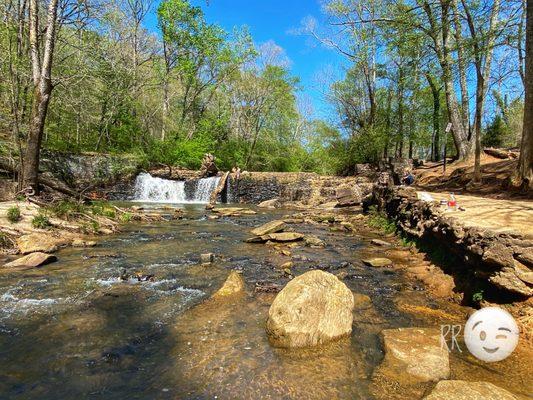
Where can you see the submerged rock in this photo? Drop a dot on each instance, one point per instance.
(462, 390)
(39, 242)
(234, 284)
(314, 308)
(378, 262)
(32, 260)
(269, 227)
(415, 354)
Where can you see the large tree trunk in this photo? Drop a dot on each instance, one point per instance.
(42, 82)
(41, 100)
(525, 163)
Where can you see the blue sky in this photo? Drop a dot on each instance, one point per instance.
(274, 20)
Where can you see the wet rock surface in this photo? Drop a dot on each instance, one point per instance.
(32, 260)
(415, 354)
(312, 309)
(461, 390)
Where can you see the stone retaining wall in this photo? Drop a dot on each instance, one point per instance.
(502, 260)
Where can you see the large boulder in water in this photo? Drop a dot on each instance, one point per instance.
(462, 390)
(312, 309)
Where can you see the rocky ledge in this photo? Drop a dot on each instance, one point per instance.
(501, 259)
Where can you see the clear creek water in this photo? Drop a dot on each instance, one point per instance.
(74, 330)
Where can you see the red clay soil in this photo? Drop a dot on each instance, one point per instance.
(458, 176)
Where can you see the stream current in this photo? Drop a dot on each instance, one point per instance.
(74, 330)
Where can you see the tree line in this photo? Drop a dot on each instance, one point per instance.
(90, 76)
(418, 65)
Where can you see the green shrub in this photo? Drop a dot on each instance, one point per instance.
(13, 214)
(126, 217)
(41, 221)
(379, 220)
(65, 208)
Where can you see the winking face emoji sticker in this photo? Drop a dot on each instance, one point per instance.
(491, 334)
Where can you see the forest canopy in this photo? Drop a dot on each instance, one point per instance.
(190, 87)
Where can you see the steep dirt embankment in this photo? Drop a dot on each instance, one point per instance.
(496, 248)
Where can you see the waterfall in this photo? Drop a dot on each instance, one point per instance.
(149, 189)
(205, 188)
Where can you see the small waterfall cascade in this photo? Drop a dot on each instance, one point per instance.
(150, 189)
(204, 189)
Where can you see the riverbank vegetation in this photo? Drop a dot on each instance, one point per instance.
(97, 76)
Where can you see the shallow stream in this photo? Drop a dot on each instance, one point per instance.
(75, 330)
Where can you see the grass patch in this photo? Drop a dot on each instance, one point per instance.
(41, 221)
(13, 214)
(379, 220)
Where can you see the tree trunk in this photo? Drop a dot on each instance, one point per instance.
(42, 82)
(525, 163)
(435, 145)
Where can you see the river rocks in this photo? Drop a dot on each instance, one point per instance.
(234, 284)
(272, 203)
(462, 390)
(361, 301)
(312, 309)
(83, 243)
(314, 241)
(414, 354)
(232, 211)
(378, 262)
(276, 237)
(283, 236)
(32, 260)
(39, 242)
(269, 227)
(348, 195)
(381, 243)
(207, 258)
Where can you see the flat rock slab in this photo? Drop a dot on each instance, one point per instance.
(32, 260)
(462, 390)
(276, 237)
(39, 242)
(233, 211)
(415, 355)
(269, 227)
(378, 262)
(272, 203)
(378, 242)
